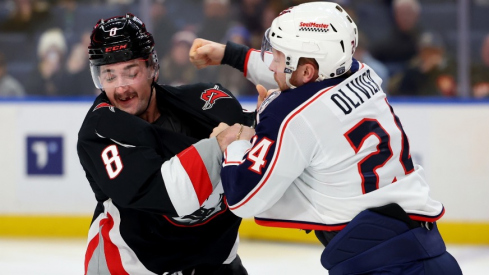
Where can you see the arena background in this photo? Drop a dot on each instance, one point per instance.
(44, 192)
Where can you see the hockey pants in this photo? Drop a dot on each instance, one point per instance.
(373, 243)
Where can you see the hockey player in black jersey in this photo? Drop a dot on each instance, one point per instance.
(149, 160)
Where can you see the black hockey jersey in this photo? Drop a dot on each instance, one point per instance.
(161, 207)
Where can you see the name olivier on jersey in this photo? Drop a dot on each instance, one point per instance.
(355, 92)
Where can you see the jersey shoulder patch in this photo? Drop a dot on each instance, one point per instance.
(268, 100)
(104, 105)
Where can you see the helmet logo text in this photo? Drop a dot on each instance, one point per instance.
(112, 31)
(115, 48)
(211, 95)
(313, 27)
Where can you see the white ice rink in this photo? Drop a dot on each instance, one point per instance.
(65, 257)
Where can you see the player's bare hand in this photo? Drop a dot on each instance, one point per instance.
(221, 127)
(205, 53)
(263, 94)
(232, 133)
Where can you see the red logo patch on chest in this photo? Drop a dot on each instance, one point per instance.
(211, 95)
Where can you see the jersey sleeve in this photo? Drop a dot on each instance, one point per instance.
(248, 61)
(140, 166)
(256, 175)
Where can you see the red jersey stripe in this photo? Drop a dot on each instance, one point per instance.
(197, 172)
(112, 255)
(245, 69)
(299, 225)
(92, 245)
(421, 218)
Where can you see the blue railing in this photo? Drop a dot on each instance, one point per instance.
(252, 99)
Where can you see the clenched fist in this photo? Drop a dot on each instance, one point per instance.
(205, 53)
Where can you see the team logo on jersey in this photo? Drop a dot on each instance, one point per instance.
(102, 105)
(211, 95)
(212, 207)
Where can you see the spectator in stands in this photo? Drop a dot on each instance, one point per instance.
(65, 16)
(78, 68)
(431, 73)
(163, 26)
(120, 2)
(216, 20)
(480, 72)
(176, 68)
(49, 76)
(362, 54)
(233, 79)
(238, 33)
(271, 11)
(250, 14)
(9, 86)
(28, 16)
(398, 47)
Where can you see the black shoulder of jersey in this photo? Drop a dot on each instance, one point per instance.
(210, 103)
(100, 101)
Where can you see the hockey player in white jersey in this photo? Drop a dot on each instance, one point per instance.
(329, 153)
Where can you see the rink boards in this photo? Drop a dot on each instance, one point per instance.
(45, 193)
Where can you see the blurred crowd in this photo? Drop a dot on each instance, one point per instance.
(411, 44)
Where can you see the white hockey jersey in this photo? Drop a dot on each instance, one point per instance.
(322, 153)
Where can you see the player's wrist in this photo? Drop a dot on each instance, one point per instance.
(235, 55)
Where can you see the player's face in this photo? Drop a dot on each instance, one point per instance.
(278, 67)
(127, 85)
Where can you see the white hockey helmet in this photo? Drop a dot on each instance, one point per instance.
(320, 30)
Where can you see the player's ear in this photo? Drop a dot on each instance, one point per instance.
(309, 73)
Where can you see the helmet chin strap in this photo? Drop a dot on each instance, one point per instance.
(288, 75)
(287, 80)
(150, 96)
(320, 78)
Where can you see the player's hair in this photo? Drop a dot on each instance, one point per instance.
(306, 60)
